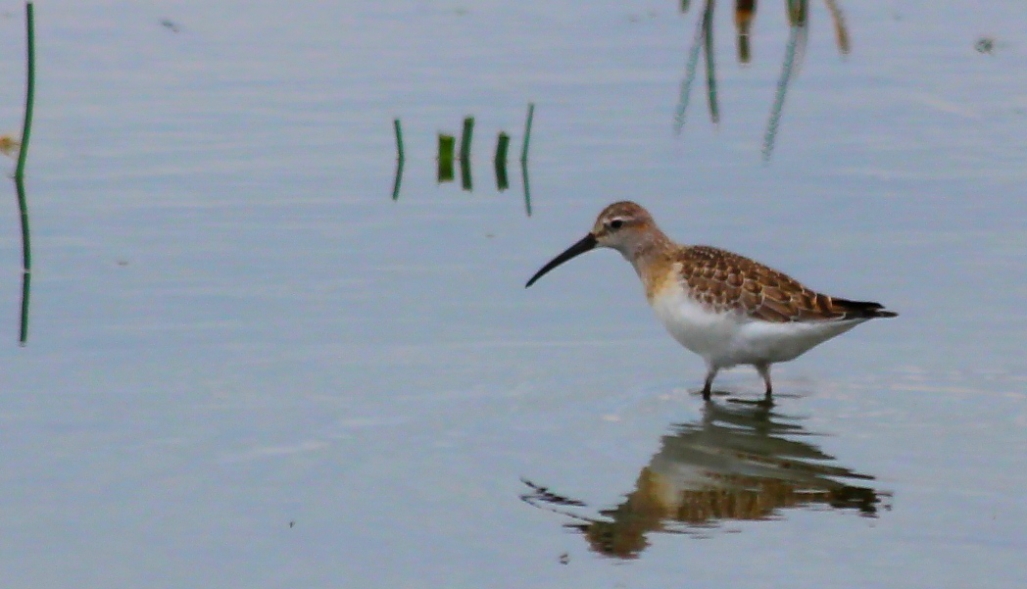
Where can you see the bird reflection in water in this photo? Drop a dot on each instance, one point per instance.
(739, 462)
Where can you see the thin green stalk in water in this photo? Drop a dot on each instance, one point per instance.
(446, 145)
(23, 336)
(26, 131)
(502, 144)
(796, 39)
(399, 139)
(499, 162)
(399, 160)
(30, 91)
(465, 138)
(711, 70)
(527, 132)
(690, 67)
(19, 174)
(527, 188)
(466, 181)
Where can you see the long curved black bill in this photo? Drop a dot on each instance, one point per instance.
(587, 243)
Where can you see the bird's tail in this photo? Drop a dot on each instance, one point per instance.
(861, 309)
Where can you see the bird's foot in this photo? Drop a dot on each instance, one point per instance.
(708, 395)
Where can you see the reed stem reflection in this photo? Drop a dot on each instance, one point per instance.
(499, 161)
(690, 66)
(798, 33)
(399, 159)
(19, 174)
(745, 10)
(527, 188)
(711, 69)
(797, 12)
(445, 158)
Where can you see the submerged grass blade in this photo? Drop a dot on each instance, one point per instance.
(398, 180)
(686, 82)
(711, 70)
(502, 144)
(787, 69)
(399, 159)
(465, 138)
(465, 174)
(30, 91)
(527, 187)
(399, 139)
(841, 32)
(26, 132)
(499, 162)
(23, 332)
(527, 132)
(446, 145)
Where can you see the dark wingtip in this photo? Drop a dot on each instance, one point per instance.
(867, 309)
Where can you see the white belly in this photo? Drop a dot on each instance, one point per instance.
(728, 339)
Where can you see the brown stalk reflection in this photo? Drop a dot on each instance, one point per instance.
(745, 10)
(745, 14)
(739, 462)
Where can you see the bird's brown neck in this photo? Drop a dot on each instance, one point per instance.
(651, 256)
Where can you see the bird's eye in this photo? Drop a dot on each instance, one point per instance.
(616, 224)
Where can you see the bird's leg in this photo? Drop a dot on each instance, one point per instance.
(764, 370)
(707, 389)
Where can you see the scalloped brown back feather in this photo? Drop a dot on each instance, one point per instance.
(725, 281)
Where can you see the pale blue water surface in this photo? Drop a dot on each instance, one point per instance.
(249, 366)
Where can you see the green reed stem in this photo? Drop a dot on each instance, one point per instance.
(527, 132)
(502, 144)
(465, 138)
(399, 139)
(23, 336)
(19, 174)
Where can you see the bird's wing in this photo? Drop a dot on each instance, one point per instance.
(726, 281)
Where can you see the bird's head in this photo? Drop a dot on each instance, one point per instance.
(623, 226)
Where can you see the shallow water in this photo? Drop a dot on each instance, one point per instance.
(247, 365)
